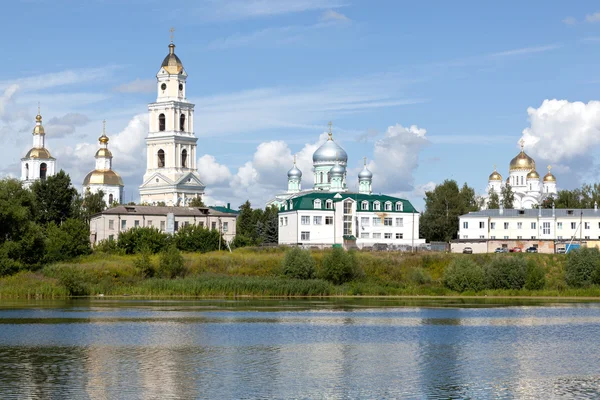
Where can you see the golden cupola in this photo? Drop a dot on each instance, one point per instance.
(549, 177)
(522, 161)
(172, 64)
(103, 174)
(103, 151)
(495, 176)
(533, 174)
(38, 129)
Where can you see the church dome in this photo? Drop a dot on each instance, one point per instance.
(104, 153)
(330, 152)
(40, 153)
(495, 176)
(38, 129)
(549, 177)
(522, 161)
(109, 177)
(172, 64)
(294, 172)
(365, 173)
(337, 170)
(533, 174)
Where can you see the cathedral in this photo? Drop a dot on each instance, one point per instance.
(529, 190)
(37, 163)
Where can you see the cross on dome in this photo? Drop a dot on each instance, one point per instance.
(330, 132)
(172, 30)
(522, 143)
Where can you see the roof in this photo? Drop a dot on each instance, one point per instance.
(158, 210)
(224, 209)
(306, 201)
(535, 213)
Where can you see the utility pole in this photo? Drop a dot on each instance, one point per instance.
(219, 233)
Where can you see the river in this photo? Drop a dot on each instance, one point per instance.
(299, 349)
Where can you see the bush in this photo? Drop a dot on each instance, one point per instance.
(298, 264)
(536, 276)
(506, 273)
(339, 266)
(73, 279)
(171, 263)
(108, 246)
(580, 267)
(464, 274)
(241, 241)
(67, 241)
(419, 276)
(135, 239)
(143, 264)
(197, 238)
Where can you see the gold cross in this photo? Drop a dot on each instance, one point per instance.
(172, 34)
(522, 143)
(549, 168)
(494, 167)
(104, 127)
(38, 108)
(330, 133)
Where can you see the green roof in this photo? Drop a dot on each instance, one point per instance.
(224, 209)
(306, 201)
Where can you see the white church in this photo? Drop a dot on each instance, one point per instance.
(38, 163)
(529, 190)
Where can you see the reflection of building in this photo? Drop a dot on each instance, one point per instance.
(171, 176)
(329, 213)
(37, 163)
(103, 177)
(524, 181)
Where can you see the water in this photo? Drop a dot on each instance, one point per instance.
(272, 349)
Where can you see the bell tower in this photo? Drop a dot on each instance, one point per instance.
(171, 174)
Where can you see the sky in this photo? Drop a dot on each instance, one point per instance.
(427, 91)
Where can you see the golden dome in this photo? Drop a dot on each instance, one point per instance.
(105, 153)
(172, 64)
(495, 176)
(522, 161)
(39, 130)
(533, 174)
(109, 177)
(549, 177)
(41, 153)
(103, 139)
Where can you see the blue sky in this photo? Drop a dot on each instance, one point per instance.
(266, 76)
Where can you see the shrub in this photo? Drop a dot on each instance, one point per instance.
(69, 240)
(536, 276)
(171, 263)
(298, 264)
(419, 276)
(74, 281)
(464, 274)
(135, 239)
(339, 266)
(108, 246)
(198, 238)
(143, 264)
(241, 241)
(581, 264)
(506, 273)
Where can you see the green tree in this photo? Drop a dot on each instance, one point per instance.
(508, 196)
(443, 206)
(580, 267)
(54, 197)
(197, 238)
(171, 263)
(17, 207)
(340, 266)
(271, 225)
(493, 200)
(197, 202)
(69, 240)
(245, 221)
(298, 264)
(134, 240)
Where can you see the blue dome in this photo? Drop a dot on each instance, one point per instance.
(329, 152)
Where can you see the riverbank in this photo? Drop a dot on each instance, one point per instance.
(257, 272)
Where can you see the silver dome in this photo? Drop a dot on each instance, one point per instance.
(294, 172)
(365, 174)
(330, 152)
(337, 170)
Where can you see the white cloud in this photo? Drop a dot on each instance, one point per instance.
(331, 15)
(569, 21)
(65, 125)
(212, 10)
(592, 18)
(525, 50)
(62, 78)
(6, 98)
(212, 173)
(137, 86)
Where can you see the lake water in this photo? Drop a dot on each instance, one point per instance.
(276, 349)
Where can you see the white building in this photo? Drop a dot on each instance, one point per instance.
(171, 174)
(103, 177)
(525, 182)
(109, 223)
(329, 214)
(37, 163)
(531, 224)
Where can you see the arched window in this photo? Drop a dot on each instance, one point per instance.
(161, 158)
(388, 206)
(182, 123)
(26, 171)
(364, 205)
(328, 177)
(183, 158)
(329, 205)
(376, 206)
(110, 199)
(399, 206)
(317, 204)
(322, 181)
(43, 169)
(161, 122)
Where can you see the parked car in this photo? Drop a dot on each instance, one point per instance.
(501, 250)
(561, 250)
(380, 247)
(515, 250)
(467, 250)
(532, 249)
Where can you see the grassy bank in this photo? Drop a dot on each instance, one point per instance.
(257, 272)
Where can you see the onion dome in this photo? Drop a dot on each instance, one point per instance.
(103, 151)
(330, 151)
(337, 169)
(38, 129)
(295, 171)
(533, 174)
(108, 177)
(549, 177)
(365, 173)
(522, 161)
(172, 64)
(41, 153)
(495, 176)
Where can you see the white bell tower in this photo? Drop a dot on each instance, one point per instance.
(37, 163)
(171, 174)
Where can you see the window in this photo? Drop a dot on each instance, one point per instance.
(533, 237)
(182, 123)
(481, 237)
(533, 225)
(519, 225)
(559, 225)
(291, 205)
(328, 220)
(573, 225)
(376, 221)
(387, 221)
(329, 205)
(348, 217)
(305, 220)
(186, 223)
(399, 206)
(111, 237)
(213, 225)
(586, 225)
(387, 235)
(586, 237)
(505, 237)
(162, 225)
(388, 206)
(201, 224)
(481, 225)
(364, 235)
(161, 158)
(546, 228)
(111, 224)
(317, 204)
(184, 158)
(285, 221)
(364, 205)
(110, 199)
(161, 122)
(304, 236)
(519, 237)
(136, 223)
(177, 226)
(149, 222)
(364, 221)
(492, 225)
(465, 225)
(317, 220)
(559, 237)
(377, 236)
(376, 206)
(492, 237)
(399, 236)
(280, 221)
(26, 171)
(506, 225)
(399, 222)
(43, 169)
(123, 224)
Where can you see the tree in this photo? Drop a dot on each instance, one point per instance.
(245, 226)
(16, 209)
(443, 206)
(69, 240)
(271, 225)
(508, 197)
(197, 202)
(54, 197)
(493, 200)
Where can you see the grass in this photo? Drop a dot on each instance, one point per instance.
(257, 272)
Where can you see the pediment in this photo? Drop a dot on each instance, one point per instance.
(190, 179)
(157, 179)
